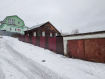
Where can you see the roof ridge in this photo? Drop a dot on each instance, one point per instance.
(38, 25)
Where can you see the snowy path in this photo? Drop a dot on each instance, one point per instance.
(19, 60)
(26, 66)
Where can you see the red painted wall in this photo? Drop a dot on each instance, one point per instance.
(26, 38)
(34, 40)
(52, 44)
(37, 41)
(21, 37)
(30, 39)
(46, 42)
(42, 42)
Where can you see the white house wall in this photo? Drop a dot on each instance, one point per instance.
(65, 39)
(7, 28)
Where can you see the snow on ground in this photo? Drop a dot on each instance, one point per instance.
(19, 60)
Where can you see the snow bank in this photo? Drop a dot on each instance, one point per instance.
(65, 68)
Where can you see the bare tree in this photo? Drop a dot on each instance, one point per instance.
(64, 33)
(75, 31)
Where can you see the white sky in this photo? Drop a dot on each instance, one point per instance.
(65, 15)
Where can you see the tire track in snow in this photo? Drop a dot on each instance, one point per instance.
(27, 74)
(34, 68)
(2, 75)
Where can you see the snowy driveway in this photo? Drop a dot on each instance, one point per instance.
(19, 60)
(21, 66)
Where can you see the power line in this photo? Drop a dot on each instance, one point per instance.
(8, 5)
(25, 6)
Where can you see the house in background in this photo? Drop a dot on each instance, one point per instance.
(43, 30)
(13, 24)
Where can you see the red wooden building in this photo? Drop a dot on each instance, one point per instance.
(43, 30)
(45, 35)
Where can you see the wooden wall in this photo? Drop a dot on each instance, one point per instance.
(54, 44)
(40, 30)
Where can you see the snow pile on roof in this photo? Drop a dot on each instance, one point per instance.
(19, 60)
(35, 26)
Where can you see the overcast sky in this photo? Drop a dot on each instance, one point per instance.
(65, 15)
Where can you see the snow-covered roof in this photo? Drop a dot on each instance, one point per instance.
(35, 26)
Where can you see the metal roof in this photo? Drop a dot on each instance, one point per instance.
(89, 33)
(38, 25)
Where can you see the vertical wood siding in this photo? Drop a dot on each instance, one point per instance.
(30, 39)
(46, 43)
(34, 40)
(52, 44)
(42, 42)
(59, 45)
(26, 39)
(37, 41)
(21, 37)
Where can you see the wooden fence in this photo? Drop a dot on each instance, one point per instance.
(85, 49)
(54, 44)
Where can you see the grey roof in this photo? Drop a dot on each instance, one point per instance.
(35, 26)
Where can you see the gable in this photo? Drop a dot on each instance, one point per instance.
(49, 26)
(18, 21)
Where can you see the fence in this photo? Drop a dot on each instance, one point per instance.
(92, 49)
(54, 44)
(7, 33)
(86, 49)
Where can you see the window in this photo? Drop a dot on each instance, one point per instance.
(34, 34)
(56, 34)
(43, 33)
(11, 21)
(8, 20)
(50, 34)
(18, 22)
(15, 29)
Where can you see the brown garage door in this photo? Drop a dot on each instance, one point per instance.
(76, 49)
(95, 50)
